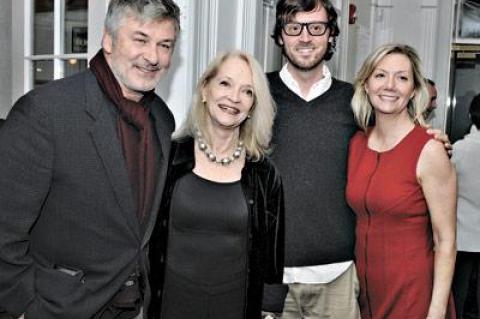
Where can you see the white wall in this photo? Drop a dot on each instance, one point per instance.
(5, 61)
(18, 64)
(271, 54)
(413, 22)
(209, 27)
(359, 38)
(96, 15)
(177, 86)
(441, 69)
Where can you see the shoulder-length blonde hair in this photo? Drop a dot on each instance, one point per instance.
(362, 108)
(256, 131)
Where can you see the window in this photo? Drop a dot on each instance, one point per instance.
(57, 43)
(467, 24)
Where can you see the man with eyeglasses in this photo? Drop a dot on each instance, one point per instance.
(313, 127)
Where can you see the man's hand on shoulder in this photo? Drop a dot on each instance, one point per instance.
(442, 137)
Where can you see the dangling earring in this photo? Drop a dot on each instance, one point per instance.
(250, 112)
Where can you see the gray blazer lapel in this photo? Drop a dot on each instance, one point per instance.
(164, 126)
(104, 136)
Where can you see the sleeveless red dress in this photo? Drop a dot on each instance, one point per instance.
(394, 245)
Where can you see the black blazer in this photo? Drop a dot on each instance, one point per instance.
(263, 191)
(66, 201)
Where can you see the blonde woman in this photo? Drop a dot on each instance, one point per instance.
(402, 188)
(224, 201)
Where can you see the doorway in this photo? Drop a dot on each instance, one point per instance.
(464, 79)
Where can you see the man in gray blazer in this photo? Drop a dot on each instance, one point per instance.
(82, 169)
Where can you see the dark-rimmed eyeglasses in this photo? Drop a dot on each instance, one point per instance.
(313, 28)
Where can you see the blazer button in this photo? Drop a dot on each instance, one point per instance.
(164, 223)
(250, 201)
(162, 259)
(159, 293)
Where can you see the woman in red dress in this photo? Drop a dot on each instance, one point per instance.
(402, 188)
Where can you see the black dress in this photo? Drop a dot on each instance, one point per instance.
(262, 194)
(207, 251)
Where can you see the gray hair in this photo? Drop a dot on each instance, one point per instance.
(362, 108)
(145, 10)
(255, 132)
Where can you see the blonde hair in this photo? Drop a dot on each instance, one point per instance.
(255, 132)
(362, 108)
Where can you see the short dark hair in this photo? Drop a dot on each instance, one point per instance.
(475, 111)
(286, 9)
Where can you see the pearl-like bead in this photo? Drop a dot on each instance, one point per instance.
(212, 157)
(203, 146)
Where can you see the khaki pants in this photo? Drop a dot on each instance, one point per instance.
(333, 300)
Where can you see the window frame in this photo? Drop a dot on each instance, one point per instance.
(22, 45)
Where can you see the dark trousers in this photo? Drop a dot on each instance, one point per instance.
(4, 315)
(466, 285)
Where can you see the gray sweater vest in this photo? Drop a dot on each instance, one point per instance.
(310, 148)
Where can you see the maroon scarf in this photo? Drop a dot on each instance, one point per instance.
(136, 133)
